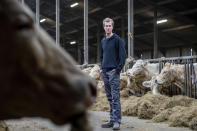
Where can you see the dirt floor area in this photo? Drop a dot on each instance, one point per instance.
(146, 113)
(96, 119)
(177, 111)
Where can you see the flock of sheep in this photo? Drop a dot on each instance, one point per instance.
(145, 76)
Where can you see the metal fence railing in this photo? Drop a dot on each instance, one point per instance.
(190, 82)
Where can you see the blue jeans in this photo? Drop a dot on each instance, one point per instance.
(112, 88)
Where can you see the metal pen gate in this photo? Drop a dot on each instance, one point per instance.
(190, 82)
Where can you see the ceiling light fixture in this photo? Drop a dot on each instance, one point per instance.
(73, 42)
(42, 20)
(73, 5)
(162, 21)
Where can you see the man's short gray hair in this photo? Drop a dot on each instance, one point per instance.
(108, 20)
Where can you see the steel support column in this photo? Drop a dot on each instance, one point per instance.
(22, 2)
(57, 22)
(38, 12)
(79, 54)
(85, 31)
(130, 29)
(155, 34)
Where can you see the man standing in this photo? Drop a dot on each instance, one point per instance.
(112, 61)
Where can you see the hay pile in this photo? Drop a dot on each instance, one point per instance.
(3, 126)
(101, 103)
(87, 70)
(176, 111)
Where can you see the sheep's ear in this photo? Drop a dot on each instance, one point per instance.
(145, 63)
(147, 84)
(167, 64)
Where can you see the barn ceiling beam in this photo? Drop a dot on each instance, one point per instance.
(147, 34)
(113, 3)
(104, 7)
(167, 32)
(146, 22)
(164, 30)
(151, 7)
(169, 11)
(170, 16)
(93, 11)
(74, 30)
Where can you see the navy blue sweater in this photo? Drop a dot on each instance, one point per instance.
(113, 53)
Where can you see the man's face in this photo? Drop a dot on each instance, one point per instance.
(108, 27)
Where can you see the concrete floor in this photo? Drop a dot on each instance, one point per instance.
(96, 118)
